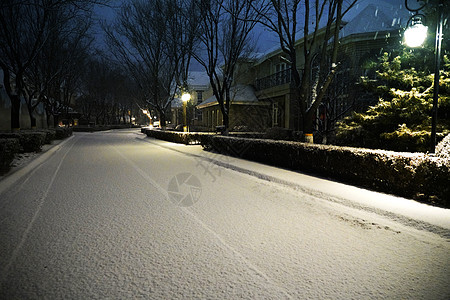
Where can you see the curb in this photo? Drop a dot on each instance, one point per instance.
(13, 177)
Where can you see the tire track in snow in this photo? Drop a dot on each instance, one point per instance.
(220, 241)
(27, 231)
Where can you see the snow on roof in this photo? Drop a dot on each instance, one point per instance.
(198, 79)
(369, 16)
(376, 17)
(239, 93)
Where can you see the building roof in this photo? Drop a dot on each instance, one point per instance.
(376, 17)
(198, 80)
(240, 94)
(370, 18)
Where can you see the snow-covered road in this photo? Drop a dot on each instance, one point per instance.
(118, 215)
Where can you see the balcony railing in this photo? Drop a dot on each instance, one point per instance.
(276, 79)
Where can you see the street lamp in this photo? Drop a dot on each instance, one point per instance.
(415, 33)
(415, 30)
(185, 97)
(147, 113)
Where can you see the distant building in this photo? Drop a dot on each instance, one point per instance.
(198, 85)
(247, 112)
(364, 38)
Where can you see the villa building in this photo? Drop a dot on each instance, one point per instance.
(262, 93)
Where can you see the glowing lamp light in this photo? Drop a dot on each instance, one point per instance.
(144, 111)
(415, 35)
(186, 97)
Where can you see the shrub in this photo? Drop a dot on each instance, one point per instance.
(8, 149)
(63, 132)
(401, 120)
(30, 141)
(443, 148)
(176, 137)
(49, 134)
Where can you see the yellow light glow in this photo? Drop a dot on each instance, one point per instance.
(186, 97)
(415, 35)
(144, 111)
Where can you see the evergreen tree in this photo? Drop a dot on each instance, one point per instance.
(401, 120)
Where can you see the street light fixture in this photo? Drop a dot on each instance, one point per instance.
(185, 97)
(412, 33)
(147, 113)
(416, 33)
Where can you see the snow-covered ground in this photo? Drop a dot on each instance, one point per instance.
(119, 215)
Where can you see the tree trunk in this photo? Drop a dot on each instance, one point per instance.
(308, 124)
(15, 112)
(32, 117)
(226, 123)
(55, 120)
(162, 120)
(32, 121)
(48, 115)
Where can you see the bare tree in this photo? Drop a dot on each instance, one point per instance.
(24, 29)
(319, 49)
(154, 41)
(225, 31)
(97, 90)
(53, 76)
(182, 36)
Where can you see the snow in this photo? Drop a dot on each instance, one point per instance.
(377, 17)
(443, 148)
(96, 221)
(198, 80)
(22, 160)
(238, 93)
(333, 191)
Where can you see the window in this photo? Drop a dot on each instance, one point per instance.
(199, 96)
(281, 74)
(280, 67)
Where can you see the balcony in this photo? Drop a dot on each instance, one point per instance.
(276, 79)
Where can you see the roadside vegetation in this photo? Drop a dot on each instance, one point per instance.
(401, 120)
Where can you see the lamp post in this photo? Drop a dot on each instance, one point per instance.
(147, 113)
(415, 30)
(185, 98)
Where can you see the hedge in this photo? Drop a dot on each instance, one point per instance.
(8, 149)
(416, 176)
(50, 134)
(177, 137)
(189, 138)
(30, 141)
(63, 132)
